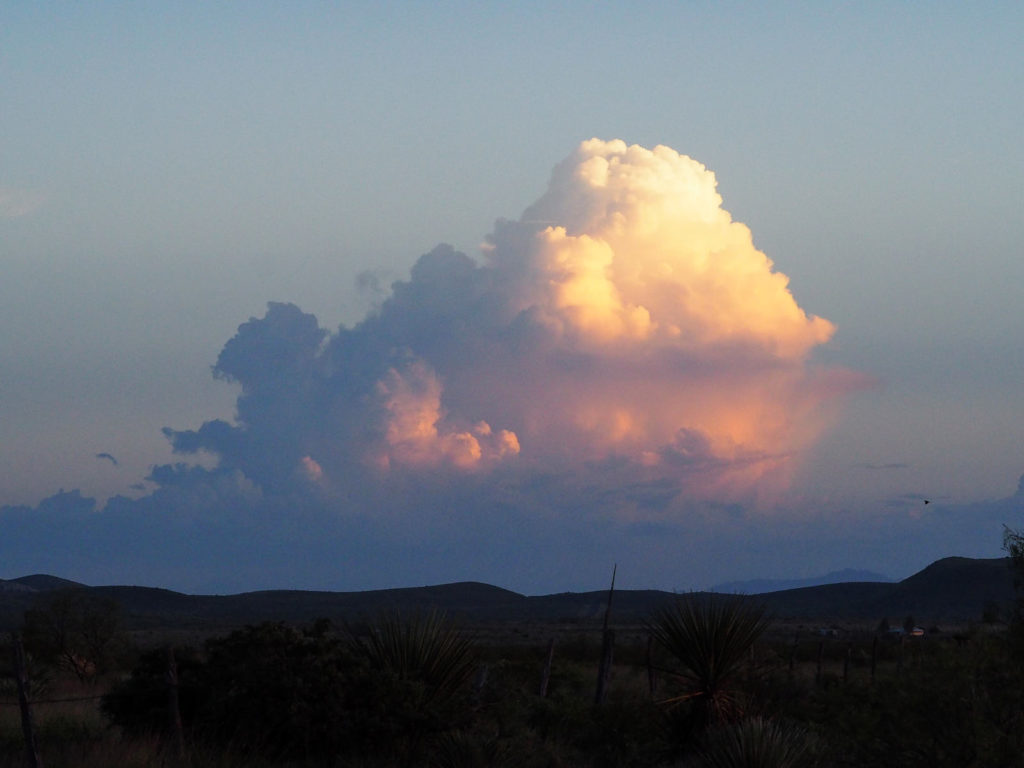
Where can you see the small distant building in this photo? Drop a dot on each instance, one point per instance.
(900, 632)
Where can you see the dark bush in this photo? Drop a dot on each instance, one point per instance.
(286, 693)
(139, 705)
(73, 630)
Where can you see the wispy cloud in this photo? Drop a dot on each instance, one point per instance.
(15, 203)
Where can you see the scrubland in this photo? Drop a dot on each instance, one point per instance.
(735, 689)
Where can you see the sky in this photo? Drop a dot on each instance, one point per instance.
(362, 295)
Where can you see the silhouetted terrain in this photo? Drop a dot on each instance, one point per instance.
(952, 589)
(761, 586)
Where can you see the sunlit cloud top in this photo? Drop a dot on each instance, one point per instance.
(636, 246)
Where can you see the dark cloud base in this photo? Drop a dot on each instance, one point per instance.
(214, 538)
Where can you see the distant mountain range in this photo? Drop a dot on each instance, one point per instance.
(761, 586)
(951, 589)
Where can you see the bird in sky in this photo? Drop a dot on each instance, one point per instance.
(107, 456)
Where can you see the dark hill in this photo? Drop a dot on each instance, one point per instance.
(763, 586)
(41, 582)
(150, 607)
(952, 589)
(848, 601)
(14, 586)
(629, 606)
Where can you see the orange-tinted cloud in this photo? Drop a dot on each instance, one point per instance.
(625, 320)
(417, 433)
(635, 244)
(641, 312)
(311, 469)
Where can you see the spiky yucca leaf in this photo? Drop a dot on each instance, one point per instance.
(757, 743)
(710, 637)
(426, 648)
(459, 749)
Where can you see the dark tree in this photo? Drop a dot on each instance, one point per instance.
(74, 630)
(1013, 545)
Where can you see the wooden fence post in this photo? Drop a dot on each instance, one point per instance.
(604, 671)
(24, 703)
(874, 657)
(821, 653)
(545, 675)
(652, 679)
(846, 662)
(177, 736)
(480, 683)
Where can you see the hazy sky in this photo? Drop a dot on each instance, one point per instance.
(654, 393)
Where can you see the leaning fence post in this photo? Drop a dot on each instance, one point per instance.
(545, 675)
(479, 684)
(173, 710)
(652, 680)
(604, 671)
(874, 657)
(27, 723)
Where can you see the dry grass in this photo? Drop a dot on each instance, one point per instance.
(71, 733)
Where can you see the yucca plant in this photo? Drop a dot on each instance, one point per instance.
(426, 649)
(459, 749)
(422, 663)
(757, 743)
(710, 638)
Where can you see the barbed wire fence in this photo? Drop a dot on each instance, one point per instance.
(174, 734)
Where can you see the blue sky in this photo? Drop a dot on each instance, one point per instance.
(167, 170)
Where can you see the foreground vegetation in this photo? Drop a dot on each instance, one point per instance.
(715, 686)
(706, 681)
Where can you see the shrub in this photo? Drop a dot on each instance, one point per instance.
(283, 693)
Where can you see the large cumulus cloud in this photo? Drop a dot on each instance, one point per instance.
(624, 318)
(619, 362)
